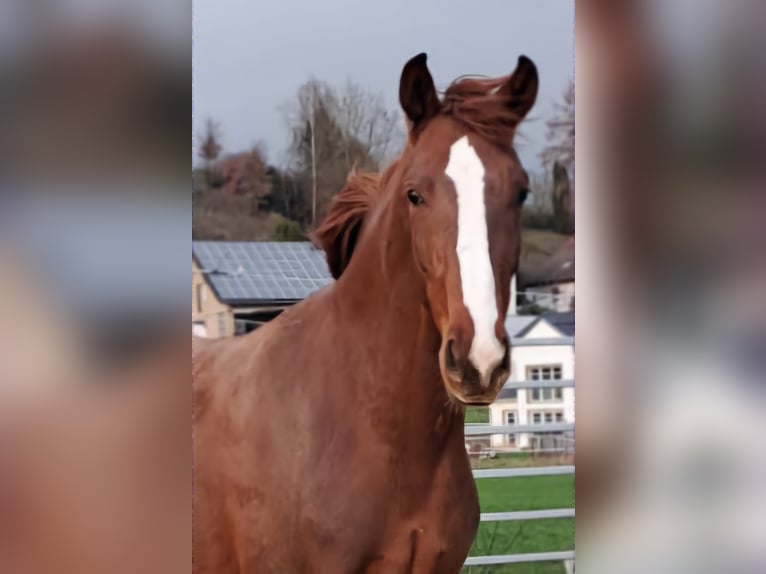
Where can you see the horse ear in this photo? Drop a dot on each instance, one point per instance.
(417, 94)
(521, 88)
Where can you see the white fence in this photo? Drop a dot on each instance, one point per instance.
(475, 430)
(561, 302)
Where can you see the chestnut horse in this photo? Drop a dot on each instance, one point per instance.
(331, 439)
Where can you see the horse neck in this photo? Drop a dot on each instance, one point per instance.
(385, 295)
(382, 286)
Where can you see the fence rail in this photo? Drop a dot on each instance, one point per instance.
(547, 384)
(519, 558)
(479, 430)
(517, 472)
(542, 342)
(527, 515)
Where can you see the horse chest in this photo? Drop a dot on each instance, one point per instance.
(429, 530)
(388, 520)
(433, 541)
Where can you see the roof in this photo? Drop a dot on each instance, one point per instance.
(564, 322)
(520, 325)
(252, 272)
(516, 325)
(558, 268)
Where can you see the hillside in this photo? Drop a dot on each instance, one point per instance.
(537, 245)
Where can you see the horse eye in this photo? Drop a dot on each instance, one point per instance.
(414, 198)
(523, 193)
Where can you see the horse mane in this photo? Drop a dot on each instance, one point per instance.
(480, 105)
(339, 231)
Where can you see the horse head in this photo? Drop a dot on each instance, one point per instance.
(465, 187)
(456, 194)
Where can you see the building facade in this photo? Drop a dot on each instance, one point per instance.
(537, 405)
(210, 316)
(239, 285)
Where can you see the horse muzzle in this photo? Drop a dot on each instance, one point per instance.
(464, 381)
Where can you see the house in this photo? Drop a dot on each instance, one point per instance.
(536, 362)
(552, 284)
(238, 286)
(564, 322)
(211, 317)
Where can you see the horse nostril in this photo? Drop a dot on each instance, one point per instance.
(505, 363)
(449, 356)
(504, 367)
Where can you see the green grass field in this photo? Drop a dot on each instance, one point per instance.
(476, 415)
(527, 493)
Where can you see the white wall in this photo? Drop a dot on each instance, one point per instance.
(523, 357)
(512, 305)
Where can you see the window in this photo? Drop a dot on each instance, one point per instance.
(547, 417)
(546, 394)
(542, 437)
(545, 373)
(221, 324)
(510, 419)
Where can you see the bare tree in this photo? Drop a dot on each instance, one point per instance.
(562, 200)
(314, 138)
(334, 130)
(288, 195)
(365, 120)
(561, 132)
(209, 147)
(539, 186)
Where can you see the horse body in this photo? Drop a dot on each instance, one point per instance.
(331, 439)
(359, 483)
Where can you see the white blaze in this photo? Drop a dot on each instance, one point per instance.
(466, 171)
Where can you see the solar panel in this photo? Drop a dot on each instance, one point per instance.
(251, 271)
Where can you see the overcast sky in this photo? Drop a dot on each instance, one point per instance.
(251, 57)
